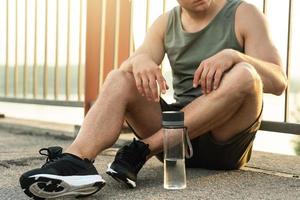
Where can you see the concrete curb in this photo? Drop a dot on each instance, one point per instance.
(59, 131)
(38, 131)
(41, 128)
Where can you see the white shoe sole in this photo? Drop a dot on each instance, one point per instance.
(42, 186)
(120, 178)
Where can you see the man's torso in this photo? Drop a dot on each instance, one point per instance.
(186, 50)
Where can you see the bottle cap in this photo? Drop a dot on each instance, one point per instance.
(173, 119)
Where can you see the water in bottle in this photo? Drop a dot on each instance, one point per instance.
(174, 174)
(174, 150)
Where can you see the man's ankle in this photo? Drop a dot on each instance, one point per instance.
(75, 151)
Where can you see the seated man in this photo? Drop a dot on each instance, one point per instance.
(222, 60)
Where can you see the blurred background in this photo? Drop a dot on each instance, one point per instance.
(43, 58)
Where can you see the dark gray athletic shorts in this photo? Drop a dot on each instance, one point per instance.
(210, 154)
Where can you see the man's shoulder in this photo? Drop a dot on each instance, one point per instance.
(246, 6)
(163, 19)
(160, 24)
(247, 10)
(247, 17)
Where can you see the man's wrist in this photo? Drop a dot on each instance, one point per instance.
(126, 66)
(237, 56)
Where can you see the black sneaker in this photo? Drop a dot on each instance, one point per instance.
(62, 175)
(128, 162)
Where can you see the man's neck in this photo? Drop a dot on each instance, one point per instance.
(201, 18)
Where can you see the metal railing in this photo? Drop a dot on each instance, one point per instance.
(31, 83)
(116, 39)
(284, 127)
(111, 61)
(109, 40)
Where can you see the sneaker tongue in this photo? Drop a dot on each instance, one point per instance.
(142, 146)
(54, 152)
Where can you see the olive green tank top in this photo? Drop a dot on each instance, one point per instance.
(185, 50)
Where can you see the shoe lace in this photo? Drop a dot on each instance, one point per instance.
(52, 153)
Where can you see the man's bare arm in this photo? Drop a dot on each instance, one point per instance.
(259, 49)
(144, 63)
(251, 30)
(153, 44)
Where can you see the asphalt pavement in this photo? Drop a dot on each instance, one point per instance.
(267, 176)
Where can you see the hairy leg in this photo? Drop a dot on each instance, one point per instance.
(233, 107)
(102, 125)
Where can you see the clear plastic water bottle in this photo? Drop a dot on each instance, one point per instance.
(174, 150)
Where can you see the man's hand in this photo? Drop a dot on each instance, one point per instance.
(211, 70)
(147, 76)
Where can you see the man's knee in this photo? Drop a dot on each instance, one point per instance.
(118, 76)
(247, 80)
(118, 83)
(120, 79)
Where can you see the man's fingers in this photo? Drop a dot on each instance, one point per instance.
(161, 82)
(153, 88)
(148, 82)
(197, 76)
(217, 78)
(203, 79)
(209, 80)
(146, 88)
(139, 86)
